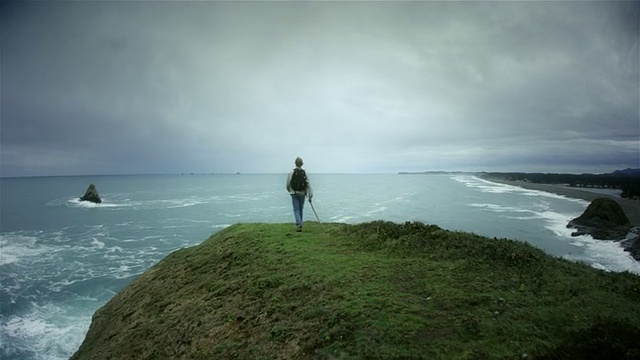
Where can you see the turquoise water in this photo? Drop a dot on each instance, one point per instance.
(61, 259)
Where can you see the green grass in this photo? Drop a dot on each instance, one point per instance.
(374, 290)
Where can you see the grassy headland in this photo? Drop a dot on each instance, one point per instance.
(374, 290)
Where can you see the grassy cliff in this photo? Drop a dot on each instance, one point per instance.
(374, 290)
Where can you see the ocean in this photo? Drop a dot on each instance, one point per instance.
(61, 259)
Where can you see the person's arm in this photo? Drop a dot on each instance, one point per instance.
(309, 190)
(288, 185)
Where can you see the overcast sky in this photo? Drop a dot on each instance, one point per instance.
(171, 87)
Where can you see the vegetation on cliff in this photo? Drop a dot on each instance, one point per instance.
(374, 290)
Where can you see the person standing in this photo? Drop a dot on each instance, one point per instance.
(298, 187)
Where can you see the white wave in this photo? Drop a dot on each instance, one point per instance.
(103, 204)
(483, 185)
(183, 220)
(600, 254)
(177, 203)
(14, 248)
(85, 298)
(607, 254)
(97, 243)
(599, 266)
(342, 218)
(557, 222)
(233, 215)
(124, 271)
(49, 330)
(75, 202)
(6, 259)
(118, 202)
(376, 210)
(57, 286)
(500, 208)
(498, 188)
(554, 221)
(522, 217)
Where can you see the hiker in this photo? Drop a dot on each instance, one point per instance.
(298, 187)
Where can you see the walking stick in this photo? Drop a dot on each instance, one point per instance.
(317, 218)
(314, 211)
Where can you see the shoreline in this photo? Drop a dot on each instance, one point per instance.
(631, 207)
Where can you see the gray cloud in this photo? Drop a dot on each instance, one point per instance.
(138, 87)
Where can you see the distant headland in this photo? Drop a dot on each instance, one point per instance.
(627, 180)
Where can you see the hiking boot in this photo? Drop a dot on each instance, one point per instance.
(299, 229)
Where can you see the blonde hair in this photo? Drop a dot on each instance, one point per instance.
(299, 161)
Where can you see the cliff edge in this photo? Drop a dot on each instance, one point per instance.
(374, 290)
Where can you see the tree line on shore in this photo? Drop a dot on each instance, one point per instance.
(626, 180)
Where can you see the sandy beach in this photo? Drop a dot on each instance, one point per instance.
(630, 207)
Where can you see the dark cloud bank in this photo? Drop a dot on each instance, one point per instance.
(170, 87)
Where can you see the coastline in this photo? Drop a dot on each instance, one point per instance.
(631, 207)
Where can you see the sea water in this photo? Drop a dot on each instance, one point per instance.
(61, 259)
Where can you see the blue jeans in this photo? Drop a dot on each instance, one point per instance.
(298, 205)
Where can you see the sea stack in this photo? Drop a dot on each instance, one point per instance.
(603, 219)
(91, 195)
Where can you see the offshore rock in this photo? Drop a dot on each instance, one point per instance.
(91, 195)
(603, 219)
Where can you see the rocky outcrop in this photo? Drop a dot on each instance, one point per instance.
(91, 195)
(632, 243)
(603, 219)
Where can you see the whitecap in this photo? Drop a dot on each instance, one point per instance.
(599, 266)
(122, 272)
(499, 208)
(75, 202)
(523, 217)
(98, 244)
(15, 247)
(6, 259)
(376, 210)
(57, 286)
(151, 237)
(342, 218)
(120, 202)
(557, 222)
(498, 188)
(24, 327)
(114, 249)
(48, 329)
(606, 254)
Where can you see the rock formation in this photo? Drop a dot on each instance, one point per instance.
(603, 219)
(91, 195)
(632, 243)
